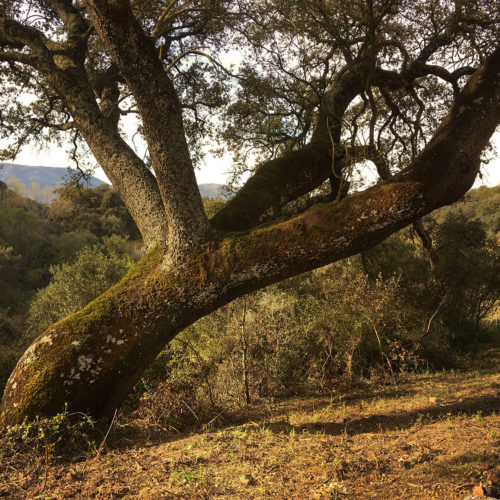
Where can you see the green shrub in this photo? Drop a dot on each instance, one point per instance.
(64, 434)
(74, 285)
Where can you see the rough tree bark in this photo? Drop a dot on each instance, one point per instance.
(161, 116)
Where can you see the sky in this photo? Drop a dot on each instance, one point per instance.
(215, 170)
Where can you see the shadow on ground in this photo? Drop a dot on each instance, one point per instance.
(396, 420)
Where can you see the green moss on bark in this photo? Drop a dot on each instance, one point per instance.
(275, 183)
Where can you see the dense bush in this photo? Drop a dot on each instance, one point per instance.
(74, 285)
(99, 210)
(39, 244)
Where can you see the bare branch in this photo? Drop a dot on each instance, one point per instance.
(70, 16)
(19, 57)
(191, 51)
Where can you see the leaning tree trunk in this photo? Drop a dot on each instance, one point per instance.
(92, 359)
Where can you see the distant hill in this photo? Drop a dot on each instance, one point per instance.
(44, 176)
(482, 203)
(211, 190)
(51, 176)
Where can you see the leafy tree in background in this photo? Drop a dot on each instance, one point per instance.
(470, 269)
(483, 204)
(27, 253)
(35, 240)
(412, 86)
(462, 290)
(34, 237)
(99, 210)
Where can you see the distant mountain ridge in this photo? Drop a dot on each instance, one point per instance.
(211, 190)
(44, 176)
(52, 176)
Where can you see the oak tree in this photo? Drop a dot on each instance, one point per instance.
(411, 86)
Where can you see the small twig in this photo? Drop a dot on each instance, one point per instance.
(215, 418)
(382, 353)
(101, 446)
(441, 303)
(46, 468)
(196, 52)
(333, 150)
(464, 486)
(191, 410)
(145, 469)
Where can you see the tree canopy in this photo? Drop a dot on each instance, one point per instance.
(323, 88)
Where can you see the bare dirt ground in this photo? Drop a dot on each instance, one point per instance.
(432, 437)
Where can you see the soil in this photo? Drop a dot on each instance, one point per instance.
(431, 437)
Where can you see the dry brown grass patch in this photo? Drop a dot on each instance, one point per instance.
(433, 437)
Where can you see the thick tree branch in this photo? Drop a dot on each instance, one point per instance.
(282, 180)
(135, 55)
(165, 15)
(19, 57)
(246, 209)
(70, 16)
(14, 35)
(56, 126)
(275, 184)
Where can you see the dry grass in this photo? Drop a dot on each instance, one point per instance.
(432, 437)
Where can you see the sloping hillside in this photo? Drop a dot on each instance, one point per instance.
(432, 437)
(482, 203)
(211, 190)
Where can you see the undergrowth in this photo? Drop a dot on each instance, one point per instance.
(66, 435)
